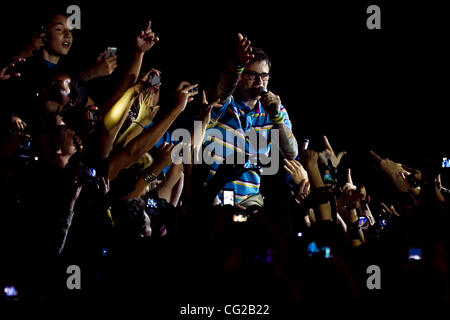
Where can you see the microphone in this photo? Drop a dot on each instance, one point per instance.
(262, 93)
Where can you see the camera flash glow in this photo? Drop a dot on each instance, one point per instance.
(299, 234)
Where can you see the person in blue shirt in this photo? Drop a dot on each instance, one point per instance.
(248, 108)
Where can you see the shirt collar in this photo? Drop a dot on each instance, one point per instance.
(240, 105)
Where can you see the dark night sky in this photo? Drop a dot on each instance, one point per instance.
(382, 89)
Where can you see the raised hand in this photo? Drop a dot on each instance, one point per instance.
(396, 173)
(205, 111)
(7, 72)
(328, 153)
(390, 211)
(147, 111)
(146, 40)
(244, 50)
(303, 192)
(184, 94)
(271, 103)
(105, 65)
(163, 155)
(296, 171)
(145, 80)
(351, 195)
(18, 123)
(308, 159)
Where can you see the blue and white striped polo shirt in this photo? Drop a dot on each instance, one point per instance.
(235, 121)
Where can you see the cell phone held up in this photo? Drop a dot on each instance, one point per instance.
(92, 114)
(111, 51)
(156, 79)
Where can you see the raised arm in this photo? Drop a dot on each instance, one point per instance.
(231, 75)
(144, 42)
(103, 67)
(309, 160)
(150, 137)
(163, 158)
(147, 111)
(114, 119)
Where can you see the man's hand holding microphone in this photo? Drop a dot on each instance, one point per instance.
(270, 102)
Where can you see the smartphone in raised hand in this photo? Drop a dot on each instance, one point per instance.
(155, 79)
(111, 51)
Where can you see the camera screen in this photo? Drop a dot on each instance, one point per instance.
(445, 163)
(415, 254)
(10, 291)
(151, 203)
(111, 51)
(362, 221)
(315, 250)
(155, 80)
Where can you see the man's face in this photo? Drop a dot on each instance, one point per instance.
(37, 41)
(59, 36)
(58, 94)
(70, 142)
(255, 75)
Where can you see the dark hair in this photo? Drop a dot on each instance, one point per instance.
(129, 216)
(49, 16)
(260, 55)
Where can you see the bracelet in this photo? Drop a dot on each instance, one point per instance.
(237, 66)
(278, 119)
(149, 177)
(140, 125)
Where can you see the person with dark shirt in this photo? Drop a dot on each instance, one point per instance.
(36, 71)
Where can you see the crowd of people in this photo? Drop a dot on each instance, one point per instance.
(98, 184)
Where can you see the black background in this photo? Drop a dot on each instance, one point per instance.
(383, 90)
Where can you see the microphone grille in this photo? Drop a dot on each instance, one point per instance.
(262, 90)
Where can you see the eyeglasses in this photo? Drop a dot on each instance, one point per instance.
(251, 75)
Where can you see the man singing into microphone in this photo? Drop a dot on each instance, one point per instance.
(247, 105)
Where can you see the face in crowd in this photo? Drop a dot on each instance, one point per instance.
(255, 75)
(57, 95)
(59, 36)
(70, 143)
(37, 41)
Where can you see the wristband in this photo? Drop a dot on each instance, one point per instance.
(278, 119)
(140, 125)
(237, 67)
(149, 177)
